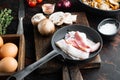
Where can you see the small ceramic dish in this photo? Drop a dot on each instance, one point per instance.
(108, 28)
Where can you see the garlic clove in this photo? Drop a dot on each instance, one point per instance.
(48, 8)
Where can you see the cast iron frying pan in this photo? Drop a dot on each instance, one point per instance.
(59, 34)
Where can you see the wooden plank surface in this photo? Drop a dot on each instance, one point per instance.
(110, 53)
(43, 46)
(73, 72)
(19, 41)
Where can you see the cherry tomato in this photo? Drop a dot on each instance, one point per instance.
(39, 1)
(32, 3)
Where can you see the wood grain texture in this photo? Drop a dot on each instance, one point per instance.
(75, 73)
(20, 42)
(65, 73)
(43, 47)
(110, 53)
(43, 44)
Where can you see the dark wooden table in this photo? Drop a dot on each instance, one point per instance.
(110, 54)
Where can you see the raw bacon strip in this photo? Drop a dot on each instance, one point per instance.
(77, 45)
(78, 40)
(69, 38)
(70, 35)
(93, 46)
(72, 42)
(87, 44)
(81, 41)
(72, 51)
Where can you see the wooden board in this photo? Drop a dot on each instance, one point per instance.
(19, 41)
(73, 73)
(43, 45)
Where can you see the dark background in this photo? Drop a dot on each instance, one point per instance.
(110, 68)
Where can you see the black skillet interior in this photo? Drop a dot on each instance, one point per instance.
(91, 34)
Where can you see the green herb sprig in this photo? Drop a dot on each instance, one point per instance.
(5, 20)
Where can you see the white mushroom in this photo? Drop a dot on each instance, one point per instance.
(104, 6)
(57, 18)
(37, 18)
(114, 2)
(67, 18)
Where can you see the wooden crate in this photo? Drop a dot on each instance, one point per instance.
(20, 42)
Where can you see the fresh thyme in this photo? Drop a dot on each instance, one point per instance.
(5, 20)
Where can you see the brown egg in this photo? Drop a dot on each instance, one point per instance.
(8, 64)
(1, 41)
(8, 50)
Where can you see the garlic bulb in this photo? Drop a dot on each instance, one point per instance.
(48, 8)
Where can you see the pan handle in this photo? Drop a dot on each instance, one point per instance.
(21, 74)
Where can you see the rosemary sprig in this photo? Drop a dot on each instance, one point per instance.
(5, 20)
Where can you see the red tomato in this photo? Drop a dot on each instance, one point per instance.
(39, 1)
(32, 3)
